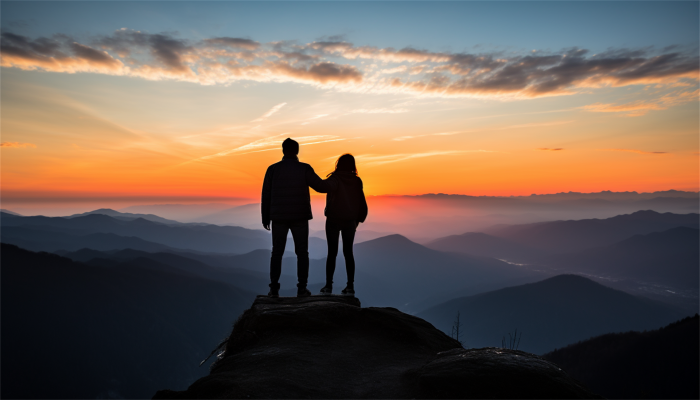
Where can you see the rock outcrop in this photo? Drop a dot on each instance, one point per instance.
(330, 347)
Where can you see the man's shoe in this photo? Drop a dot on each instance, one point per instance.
(328, 289)
(303, 292)
(348, 291)
(274, 290)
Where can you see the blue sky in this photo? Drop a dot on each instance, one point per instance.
(436, 26)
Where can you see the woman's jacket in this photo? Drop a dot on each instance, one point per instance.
(345, 199)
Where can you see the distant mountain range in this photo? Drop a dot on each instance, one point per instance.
(603, 195)
(484, 245)
(254, 281)
(247, 215)
(69, 231)
(177, 212)
(121, 331)
(653, 364)
(148, 286)
(391, 271)
(414, 273)
(52, 240)
(126, 216)
(399, 262)
(10, 212)
(575, 235)
(550, 313)
(670, 257)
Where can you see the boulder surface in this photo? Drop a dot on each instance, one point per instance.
(331, 347)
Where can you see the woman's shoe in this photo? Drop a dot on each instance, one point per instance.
(348, 291)
(328, 289)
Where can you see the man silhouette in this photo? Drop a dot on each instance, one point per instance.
(286, 204)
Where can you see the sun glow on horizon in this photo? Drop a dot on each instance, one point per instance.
(132, 109)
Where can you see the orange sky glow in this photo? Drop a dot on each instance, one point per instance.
(200, 118)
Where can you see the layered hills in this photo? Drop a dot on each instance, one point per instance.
(134, 302)
(107, 332)
(549, 314)
(575, 235)
(660, 363)
(195, 237)
(485, 245)
(670, 257)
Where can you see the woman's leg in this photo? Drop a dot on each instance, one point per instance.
(332, 234)
(348, 239)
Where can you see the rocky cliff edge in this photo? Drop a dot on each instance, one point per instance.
(331, 347)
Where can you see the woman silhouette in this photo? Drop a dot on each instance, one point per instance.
(346, 207)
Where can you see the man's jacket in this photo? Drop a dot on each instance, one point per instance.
(285, 194)
(346, 199)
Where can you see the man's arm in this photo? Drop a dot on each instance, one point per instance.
(318, 184)
(267, 197)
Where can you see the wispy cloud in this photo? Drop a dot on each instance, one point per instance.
(636, 151)
(448, 133)
(223, 60)
(271, 143)
(403, 138)
(642, 107)
(536, 124)
(375, 159)
(16, 145)
(552, 149)
(269, 113)
(309, 120)
(379, 111)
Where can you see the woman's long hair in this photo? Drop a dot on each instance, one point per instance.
(345, 163)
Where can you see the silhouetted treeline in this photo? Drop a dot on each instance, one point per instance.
(662, 363)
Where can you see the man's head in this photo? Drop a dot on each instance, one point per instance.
(290, 147)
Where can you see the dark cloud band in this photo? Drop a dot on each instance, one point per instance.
(226, 59)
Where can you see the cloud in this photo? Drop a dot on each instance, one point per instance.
(270, 112)
(271, 143)
(402, 138)
(308, 121)
(379, 111)
(55, 54)
(548, 149)
(639, 108)
(17, 145)
(536, 76)
(536, 124)
(448, 133)
(325, 73)
(335, 63)
(374, 159)
(349, 51)
(246, 44)
(636, 151)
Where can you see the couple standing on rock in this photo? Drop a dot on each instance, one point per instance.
(286, 205)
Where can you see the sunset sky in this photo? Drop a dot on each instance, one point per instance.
(182, 101)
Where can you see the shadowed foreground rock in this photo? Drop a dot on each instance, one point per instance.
(330, 347)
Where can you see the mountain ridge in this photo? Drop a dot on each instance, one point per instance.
(626, 365)
(552, 313)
